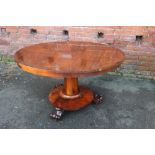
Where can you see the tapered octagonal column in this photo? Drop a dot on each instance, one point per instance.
(71, 86)
(71, 89)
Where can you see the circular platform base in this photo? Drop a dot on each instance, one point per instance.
(86, 97)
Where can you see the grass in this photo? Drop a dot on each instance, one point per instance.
(7, 59)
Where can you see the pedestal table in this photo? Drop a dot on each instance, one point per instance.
(70, 60)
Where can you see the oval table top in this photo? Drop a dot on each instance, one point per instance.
(69, 59)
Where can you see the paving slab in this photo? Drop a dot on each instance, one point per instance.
(129, 103)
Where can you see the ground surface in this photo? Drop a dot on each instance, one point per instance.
(128, 103)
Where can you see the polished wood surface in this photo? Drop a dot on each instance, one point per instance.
(69, 104)
(69, 59)
(71, 86)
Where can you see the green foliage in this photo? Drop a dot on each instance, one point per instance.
(7, 58)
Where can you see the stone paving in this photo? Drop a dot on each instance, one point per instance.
(128, 102)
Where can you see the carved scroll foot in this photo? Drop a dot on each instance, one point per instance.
(57, 114)
(98, 99)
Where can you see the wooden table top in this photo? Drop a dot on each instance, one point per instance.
(69, 59)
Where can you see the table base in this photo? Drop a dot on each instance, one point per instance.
(70, 96)
(71, 103)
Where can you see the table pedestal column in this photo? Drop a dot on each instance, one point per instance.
(70, 96)
(71, 88)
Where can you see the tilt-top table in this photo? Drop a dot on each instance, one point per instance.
(70, 60)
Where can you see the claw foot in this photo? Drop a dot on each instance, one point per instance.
(57, 114)
(97, 99)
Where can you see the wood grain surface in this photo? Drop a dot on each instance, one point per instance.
(69, 59)
(86, 97)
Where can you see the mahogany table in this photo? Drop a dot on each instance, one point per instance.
(70, 60)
